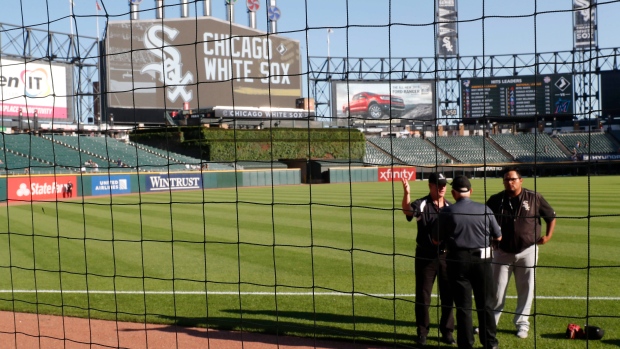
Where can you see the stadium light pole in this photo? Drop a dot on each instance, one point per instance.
(329, 32)
(20, 118)
(35, 120)
(71, 15)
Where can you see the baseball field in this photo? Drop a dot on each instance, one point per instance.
(329, 261)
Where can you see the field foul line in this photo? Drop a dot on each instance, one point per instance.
(318, 294)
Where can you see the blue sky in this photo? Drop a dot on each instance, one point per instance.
(361, 28)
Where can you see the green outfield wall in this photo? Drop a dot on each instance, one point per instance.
(49, 187)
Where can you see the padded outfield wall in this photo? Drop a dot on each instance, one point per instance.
(50, 187)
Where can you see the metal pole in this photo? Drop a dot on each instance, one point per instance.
(252, 19)
(134, 11)
(329, 31)
(273, 24)
(230, 12)
(159, 9)
(184, 9)
(206, 7)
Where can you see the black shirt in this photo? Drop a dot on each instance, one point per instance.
(467, 225)
(426, 212)
(519, 218)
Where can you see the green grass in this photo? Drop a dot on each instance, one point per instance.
(301, 241)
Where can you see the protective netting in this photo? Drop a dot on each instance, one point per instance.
(196, 181)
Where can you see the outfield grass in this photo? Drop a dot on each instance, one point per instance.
(225, 252)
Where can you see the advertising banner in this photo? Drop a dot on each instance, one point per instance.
(177, 63)
(34, 86)
(522, 96)
(387, 174)
(382, 102)
(584, 20)
(40, 188)
(166, 182)
(447, 35)
(107, 185)
(261, 113)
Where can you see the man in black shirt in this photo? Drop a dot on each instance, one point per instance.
(467, 228)
(70, 189)
(519, 212)
(430, 258)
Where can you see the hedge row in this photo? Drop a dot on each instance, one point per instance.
(266, 144)
(261, 151)
(275, 134)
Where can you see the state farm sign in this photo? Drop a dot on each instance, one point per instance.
(387, 174)
(37, 188)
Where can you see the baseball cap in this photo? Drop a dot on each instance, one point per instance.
(437, 178)
(461, 184)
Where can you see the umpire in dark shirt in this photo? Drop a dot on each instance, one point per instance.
(430, 258)
(468, 228)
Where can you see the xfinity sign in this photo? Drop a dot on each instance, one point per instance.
(173, 182)
(388, 174)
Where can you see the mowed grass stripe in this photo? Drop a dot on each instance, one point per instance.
(334, 239)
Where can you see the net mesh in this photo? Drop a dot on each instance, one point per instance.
(233, 238)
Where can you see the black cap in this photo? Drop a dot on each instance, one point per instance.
(461, 184)
(437, 178)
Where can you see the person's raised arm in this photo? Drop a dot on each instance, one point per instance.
(406, 205)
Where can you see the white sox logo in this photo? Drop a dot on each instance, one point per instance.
(584, 9)
(447, 44)
(169, 69)
(526, 205)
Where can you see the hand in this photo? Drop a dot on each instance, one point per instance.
(406, 187)
(543, 240)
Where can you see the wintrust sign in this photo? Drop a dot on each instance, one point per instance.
(37, 188)
(173, 182)
(387, 174)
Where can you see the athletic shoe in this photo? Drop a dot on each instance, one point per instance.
(421, 340)
(522, 333)
(448, 338)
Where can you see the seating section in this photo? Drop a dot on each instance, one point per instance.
(115, 152)
(52, 153)
(377, 156)
(17, 164)
(470, 149)
(410, 151)
(530, 147)
(585, 143)
(183, 159)
(55, 156)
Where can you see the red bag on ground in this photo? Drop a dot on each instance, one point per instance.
(574, 331)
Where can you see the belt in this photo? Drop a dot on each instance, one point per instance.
(483, 252)
(441, 249)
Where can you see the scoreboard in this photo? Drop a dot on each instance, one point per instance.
(522, 96)
(610, 93)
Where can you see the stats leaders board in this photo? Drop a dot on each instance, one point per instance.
(518, 96)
